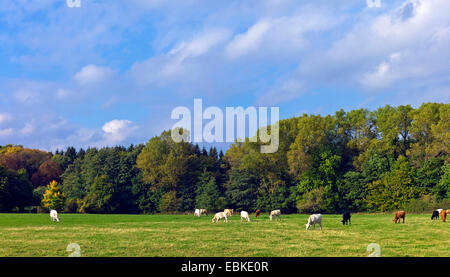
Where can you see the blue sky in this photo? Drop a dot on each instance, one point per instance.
(110, 72)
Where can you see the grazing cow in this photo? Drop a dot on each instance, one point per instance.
(313, 220)
(54, 215)
(399, 215)
(218, 216)
(257, 213)
(443, 215)
(276, 213)
(435, 215)
(346, 218)
(229, 212)
(245, 216)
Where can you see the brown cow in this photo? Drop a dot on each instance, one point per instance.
(229, 212)
(399, 215)
(447, 211)
(257, 213)
(443, 215)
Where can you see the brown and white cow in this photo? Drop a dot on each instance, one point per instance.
(218, 216)
(399, 215)
(443, 215)
(229, 212)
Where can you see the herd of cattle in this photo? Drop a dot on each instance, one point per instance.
(312, 220)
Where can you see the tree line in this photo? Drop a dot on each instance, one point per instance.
(361, 160)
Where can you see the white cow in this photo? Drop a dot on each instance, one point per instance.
(245, 216)
(54, 215)
(219, 216)
(199, 212)
(313, 220)
(276, 213)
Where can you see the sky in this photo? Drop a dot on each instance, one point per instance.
(110, 72)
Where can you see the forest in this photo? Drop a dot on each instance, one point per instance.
(375, 161)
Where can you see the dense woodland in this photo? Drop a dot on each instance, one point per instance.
(382, 160)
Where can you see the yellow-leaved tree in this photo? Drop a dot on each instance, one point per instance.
(53, 197)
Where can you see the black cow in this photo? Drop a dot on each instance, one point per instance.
(435, 215)
(346, 218)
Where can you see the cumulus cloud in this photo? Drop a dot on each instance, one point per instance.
(179, 60)
(92, 74)
(406, 42)
(116, 131)
(280, 34)
(270, 53)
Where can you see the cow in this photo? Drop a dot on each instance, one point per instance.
(257, 213)
(276, 213)
(218, 216)
(54, 215)
(245, 216)
(435, 215)
(346, 218)
(399, 215)
(229, 212)
(447, 211)
(199, 212)
(443, 215)
(313, 220)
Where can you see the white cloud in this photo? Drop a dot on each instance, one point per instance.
(199, 45)
(181, 60)
(62, 93)
(4, 117)
(6, 132)
(281, 34)
(248, 41)
(28, 129)
(92, 74)
(116, 131)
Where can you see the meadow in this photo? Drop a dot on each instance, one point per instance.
(34, 235)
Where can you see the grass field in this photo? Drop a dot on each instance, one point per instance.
(187, 236)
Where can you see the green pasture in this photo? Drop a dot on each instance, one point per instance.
(34, 235)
